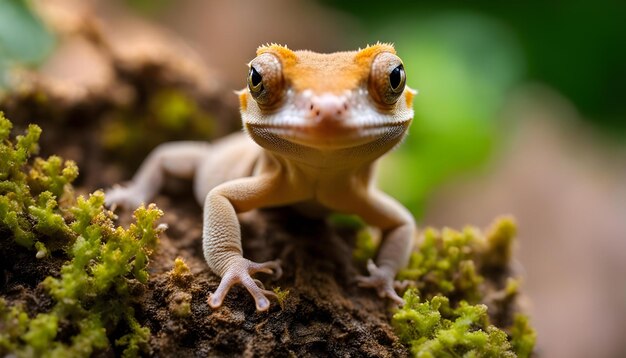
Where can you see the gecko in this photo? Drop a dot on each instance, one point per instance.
(314, 126)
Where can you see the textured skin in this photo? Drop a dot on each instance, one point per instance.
(317, 130)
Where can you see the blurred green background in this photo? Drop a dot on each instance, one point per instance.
(465, 57)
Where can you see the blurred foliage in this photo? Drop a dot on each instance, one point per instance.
(23, 38)
(575, 47)
(150, 7)
(106, 264)
(169, 114)
(462, 66)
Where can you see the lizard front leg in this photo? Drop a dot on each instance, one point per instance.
(179, 159)
(399, 229)
(222, 235)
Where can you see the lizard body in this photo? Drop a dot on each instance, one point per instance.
(318, 123)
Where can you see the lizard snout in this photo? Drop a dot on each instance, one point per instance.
(327, 108)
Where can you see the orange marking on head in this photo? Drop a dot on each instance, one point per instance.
(366, 55)
(334, 72)
(243, 100)
(408, 96)
(287, 56)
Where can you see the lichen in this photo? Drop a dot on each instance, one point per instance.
(106, 265)
(460, 283)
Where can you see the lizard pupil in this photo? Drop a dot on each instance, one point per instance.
(395, 77)
(255, 77)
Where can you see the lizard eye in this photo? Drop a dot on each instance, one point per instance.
(265, 80)
(397, 78)
(387, 78)
(255, 80)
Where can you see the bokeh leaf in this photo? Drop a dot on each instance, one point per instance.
(462, 66)
(24, 40)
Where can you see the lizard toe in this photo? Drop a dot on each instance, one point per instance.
(240, 272)
(380, 280)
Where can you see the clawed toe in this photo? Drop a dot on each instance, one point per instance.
(270, 267)
(125, 197)
(240, 273)
(380, 280)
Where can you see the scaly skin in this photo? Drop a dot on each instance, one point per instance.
(318, 123)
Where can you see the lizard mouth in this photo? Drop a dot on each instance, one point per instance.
(330, 138)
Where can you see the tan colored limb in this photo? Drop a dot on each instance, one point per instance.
(222, 235)
(179, 159)
(399, 229)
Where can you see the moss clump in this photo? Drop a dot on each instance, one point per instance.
(365, 245)
(180, 300)
(180, 274)
(34, 195)
(453, 263)
(461, 282)
(180, 304)
(434, 329)
(523, 336)
(93, 295)
(281, 296)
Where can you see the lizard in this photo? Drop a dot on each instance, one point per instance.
(314, 126)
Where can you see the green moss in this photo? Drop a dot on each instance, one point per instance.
(365, 246)
(173, 109)
(366, 242)
(180, 274)
(168, 114)
(34, 194)
(523, 336)
(93, 294)
(433, 329)
(445, 314)
(450, 262)
(179, 299)
(180, 304)
(281, 296)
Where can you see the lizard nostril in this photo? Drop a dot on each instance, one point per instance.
(327, 108)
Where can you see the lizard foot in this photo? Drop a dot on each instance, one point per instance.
(240, 272)
(126, 197)
(382, 280)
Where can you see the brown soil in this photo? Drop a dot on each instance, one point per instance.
(324, 314)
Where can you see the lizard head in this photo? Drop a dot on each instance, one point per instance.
(302, 100)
